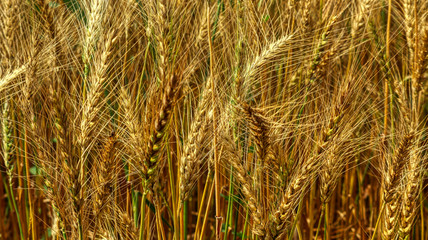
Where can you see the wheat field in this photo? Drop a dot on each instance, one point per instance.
(213, 119)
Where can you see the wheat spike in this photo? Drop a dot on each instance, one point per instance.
(408, 24)
(191, 159)
(232, 157)
(282, 217)
(96, 15)
(104, 178)
(391, 181)
(394, 167)
(411, 193)
(7, 142)
(10, 25)
(156, 141)
(363, 9)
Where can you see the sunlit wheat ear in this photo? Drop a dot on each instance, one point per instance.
(300, 181)
(91, 105)
(158, 13)
(283, 216)
(305, 174)
(232, 156)
(260, 127)
(133, 127)
(411, 192)
(394, 167)
(329, 176)
(408, 8)
(305, 16)
(95, 19)
(392, 174)
(127, 226)
(8, 78)
(421, 61)
(10, 24)
(203, 29)
(7, 141)
(104, 178)
(274, 50)
(321, 56)
(391, 216)
(191, 158)
(156, 141)
(362, 11)
(331, 164)
(131, 8)
(90, 110)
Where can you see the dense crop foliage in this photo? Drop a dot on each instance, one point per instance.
(214, 119)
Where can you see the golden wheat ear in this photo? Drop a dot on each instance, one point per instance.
(156, 141)
(283, 216)
(7, 141)
(192, 156)
(413, 176)
(232, 156)
(363, 9)
(103, 179)
(393, 171)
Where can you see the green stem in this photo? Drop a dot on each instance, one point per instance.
(80, 227)
(235, 228)
(143, 212)
(319, 223)
(326, 223)
(219, 5)
(9, 192)
(296, 218)
(229, 203)
(135, 206)
(244, 231)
